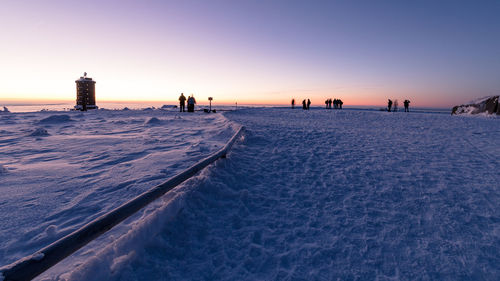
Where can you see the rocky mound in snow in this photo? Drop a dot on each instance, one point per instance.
(487, 105)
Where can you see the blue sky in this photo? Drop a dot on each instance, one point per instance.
(436, 53)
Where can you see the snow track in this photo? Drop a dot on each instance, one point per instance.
(348, 195)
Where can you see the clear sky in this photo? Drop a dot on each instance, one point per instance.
(435, 53)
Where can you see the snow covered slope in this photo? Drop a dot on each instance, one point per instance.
(327, 195)
(60, 170)
(486, 105)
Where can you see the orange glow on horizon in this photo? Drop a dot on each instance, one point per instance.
(317, 101)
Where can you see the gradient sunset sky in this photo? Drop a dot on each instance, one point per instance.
(435, 53)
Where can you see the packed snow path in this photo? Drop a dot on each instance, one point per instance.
(349, 195)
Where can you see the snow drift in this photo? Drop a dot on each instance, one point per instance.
(40, 132)
(56, 119)
(87, 164)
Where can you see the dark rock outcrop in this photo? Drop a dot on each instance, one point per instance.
(491, 105)
(487, 105)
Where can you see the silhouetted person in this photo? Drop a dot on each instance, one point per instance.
(182, 102)
(335, 103)
(308, 103)
(340, 102)
(293, 103)
(330, 103)
(191, 102)
(389, 105)
(326, 103)
(304, 106)
(407, 105)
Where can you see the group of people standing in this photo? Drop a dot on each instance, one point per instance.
(337, 103)
(305, 104)
(191, 101)
(394, 105)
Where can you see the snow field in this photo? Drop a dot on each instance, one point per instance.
(338, 195)
(318, 195)
(62, 170)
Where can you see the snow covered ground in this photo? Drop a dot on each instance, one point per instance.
(316, 195)
(60, 170)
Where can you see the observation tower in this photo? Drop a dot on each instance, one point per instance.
(85, 93)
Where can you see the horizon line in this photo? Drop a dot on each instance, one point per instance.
(170, 102)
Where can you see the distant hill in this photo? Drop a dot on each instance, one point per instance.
(487, 105)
